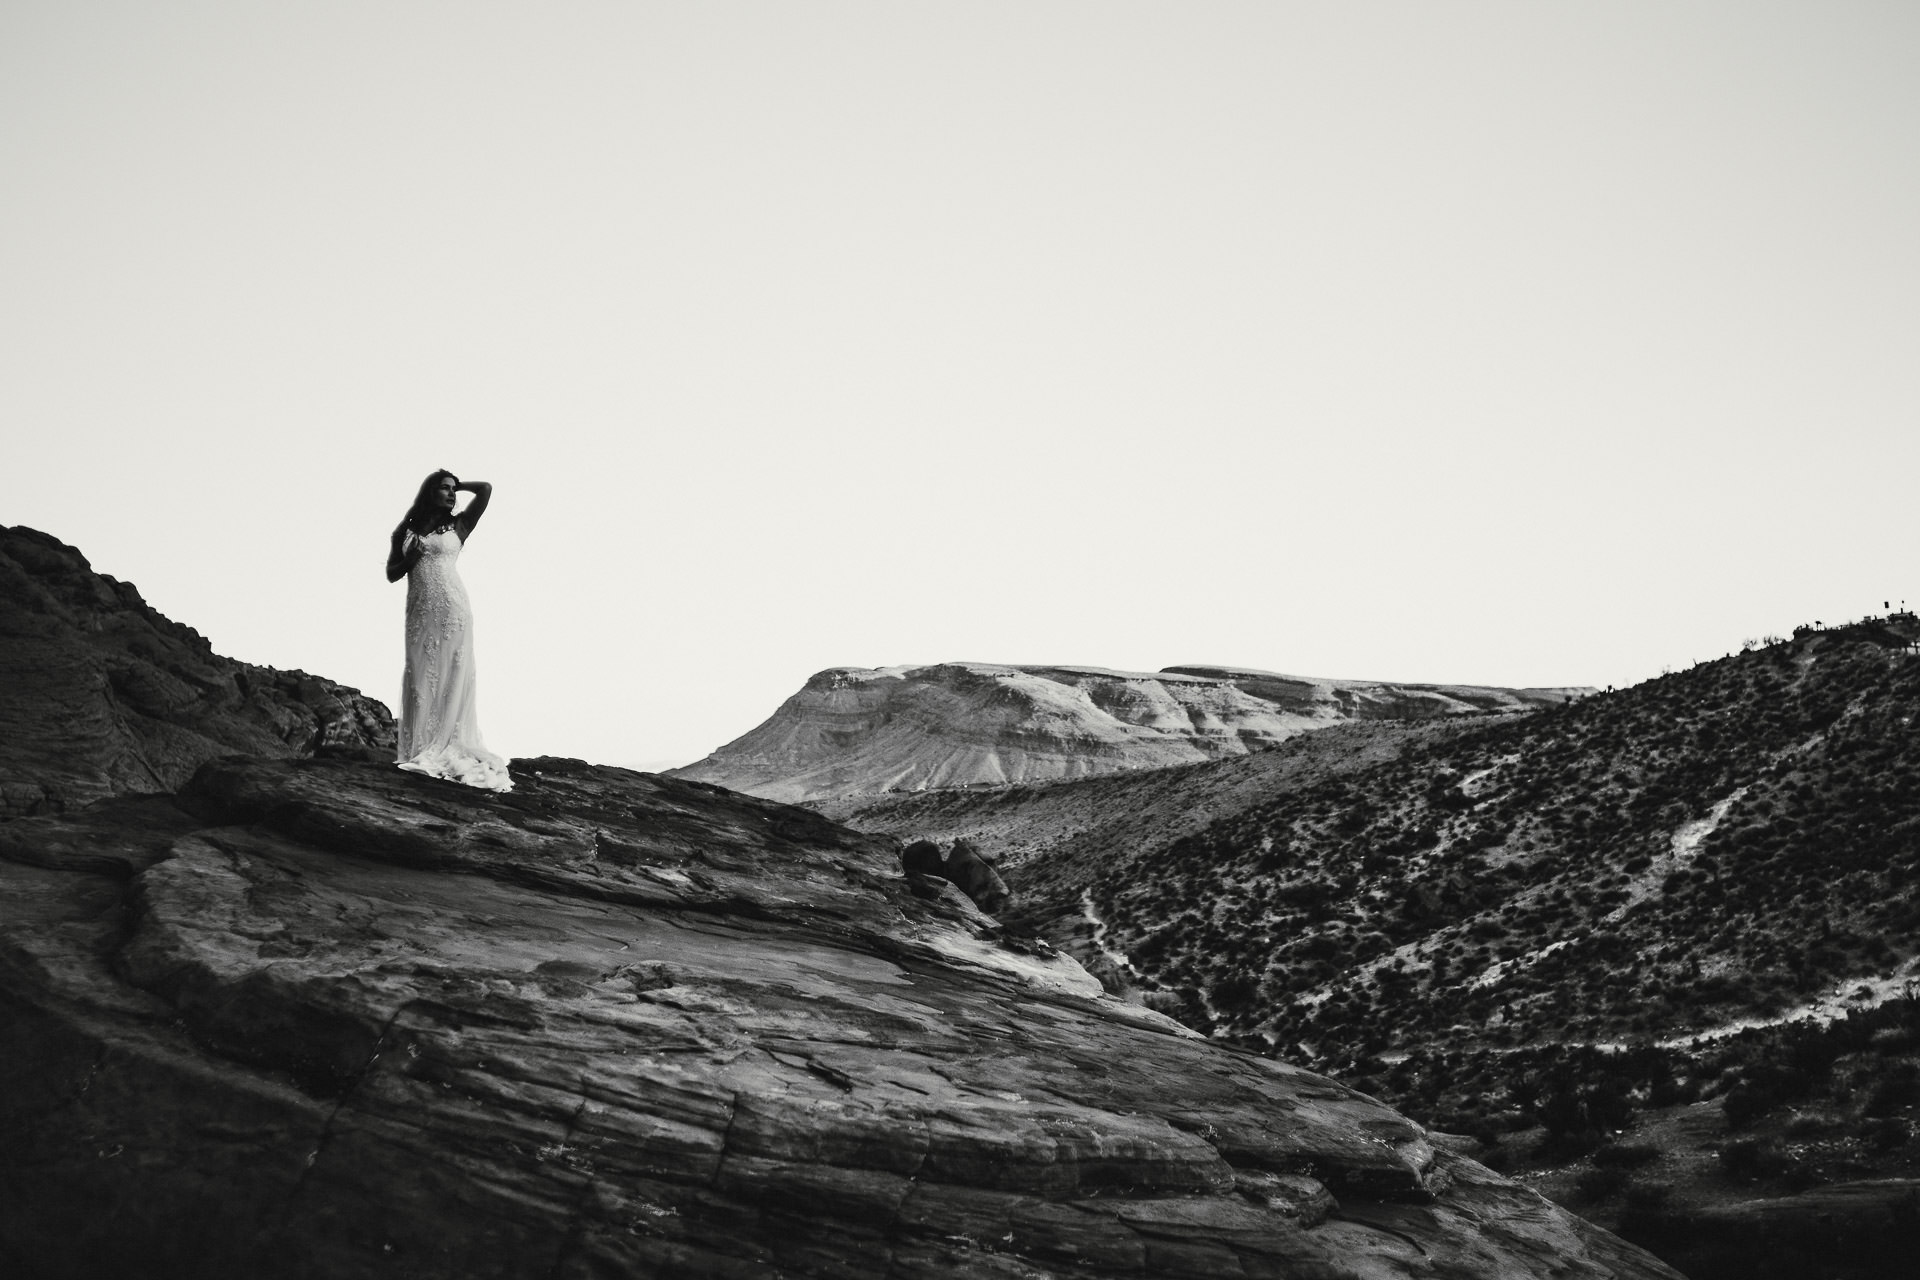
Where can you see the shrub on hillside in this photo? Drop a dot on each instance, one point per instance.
(1625, 1155)
(1895, 1091)
(1751, 1159)
(1747, 1102)
(1892, 1039)
(1182, 1004)
(1648, 1197)
(1885, 1133)
(1567, 1108)
(1600, 1183)
(1235, 992)
(1666, 1090)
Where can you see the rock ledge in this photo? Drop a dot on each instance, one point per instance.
(324, 1018)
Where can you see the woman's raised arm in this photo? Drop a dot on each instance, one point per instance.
(482, 493)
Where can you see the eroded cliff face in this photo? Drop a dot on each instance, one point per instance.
(102, 695)
(326, 1018)
(854, 731)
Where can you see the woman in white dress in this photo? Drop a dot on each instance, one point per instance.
(439, 728)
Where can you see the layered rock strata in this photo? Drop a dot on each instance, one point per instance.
(853, 731)
(322, 1018)
(100, 694)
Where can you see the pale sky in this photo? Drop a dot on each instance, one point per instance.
(1506, 343)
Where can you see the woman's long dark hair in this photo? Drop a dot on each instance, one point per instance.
(426, 514)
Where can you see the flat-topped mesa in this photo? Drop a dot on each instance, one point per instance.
(866, 731)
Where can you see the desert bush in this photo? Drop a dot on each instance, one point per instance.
(1182, 1005)
(1600, 1183)
(1234, 992)
(1892, 1039)
(1750, 1159)
(1608, 1105)
(1894, 1091)
(1885, 1133)
(1748, 1101)
(1153, 946)
(1625, 1155)
(1567, 1144)
(1648, 1197)
(1808, 1126)
(1668, 1091)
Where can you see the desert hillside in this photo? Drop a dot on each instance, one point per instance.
(853, 731)
(1722, 843)
(1655, 947)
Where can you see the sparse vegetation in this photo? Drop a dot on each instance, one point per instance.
(1726, 842)
(1546, 931)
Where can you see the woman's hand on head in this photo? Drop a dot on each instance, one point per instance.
(482, 494)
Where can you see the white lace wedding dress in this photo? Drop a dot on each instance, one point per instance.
(439, 729)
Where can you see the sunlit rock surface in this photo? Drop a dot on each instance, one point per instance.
(102, 695)
(855, 731)
(325, 1018)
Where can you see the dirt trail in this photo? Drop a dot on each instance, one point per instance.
(1099, 940)
(1852, 995)
(1680, 852)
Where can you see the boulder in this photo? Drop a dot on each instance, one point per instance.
(963, 866)
(977, 878)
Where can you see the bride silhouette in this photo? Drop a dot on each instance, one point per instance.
(439, 729)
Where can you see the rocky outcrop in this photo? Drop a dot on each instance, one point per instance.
(853, 731)
(960, 866)
(102, 695)
(325, 1018)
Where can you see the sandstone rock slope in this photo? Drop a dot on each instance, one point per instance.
(323, 1018)
(102, 695)
(853, 731)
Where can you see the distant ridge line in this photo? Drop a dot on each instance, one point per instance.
(871, 730)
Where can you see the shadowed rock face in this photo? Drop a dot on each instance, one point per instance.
(101, 695)
(1848, 1231)
(327, 1018)
(852, 731)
